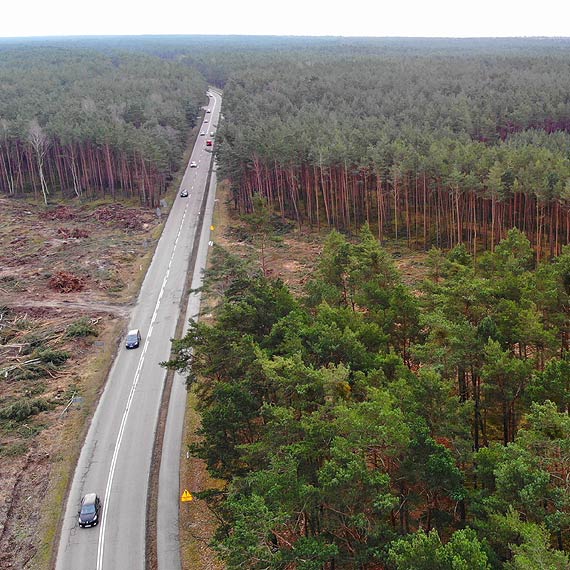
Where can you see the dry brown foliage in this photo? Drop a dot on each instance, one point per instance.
(65, 282)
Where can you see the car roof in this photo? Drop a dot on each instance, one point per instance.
(89, 498)
(134, 331)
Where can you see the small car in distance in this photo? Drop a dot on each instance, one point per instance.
(184, 193)
(89, 513)
(208, 111)
(133, 339)
(193, 164)
(205, 120)
(202, 133)
(208, 142)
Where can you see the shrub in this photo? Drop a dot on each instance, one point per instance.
(23, 409)
(50, 356)
(81, 327)
(32, 342)
(13, 450)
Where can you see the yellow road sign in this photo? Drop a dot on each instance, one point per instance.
(186, 496)
(212, 228)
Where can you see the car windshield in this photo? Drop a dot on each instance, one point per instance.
(88, 510)
(132, 338)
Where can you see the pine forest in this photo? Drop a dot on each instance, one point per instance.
(81, 123)
(360, 421)
(367, 425)
(438, 146)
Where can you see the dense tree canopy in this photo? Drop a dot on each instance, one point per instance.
(80, 121)
(365, 425)
(438, 142)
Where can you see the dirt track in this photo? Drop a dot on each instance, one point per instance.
(75, 306)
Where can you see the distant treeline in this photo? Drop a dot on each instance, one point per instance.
(440, 142)
(435, 141)
(76, 121)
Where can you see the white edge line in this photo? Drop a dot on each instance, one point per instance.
(107, 495)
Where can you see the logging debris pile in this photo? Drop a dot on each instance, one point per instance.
(117, 214)
(72, 233)
(66, 282)
(70, 250)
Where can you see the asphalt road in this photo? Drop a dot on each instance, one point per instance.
(115, 459)
(170, 486)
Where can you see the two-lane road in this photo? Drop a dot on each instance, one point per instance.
(116, 456)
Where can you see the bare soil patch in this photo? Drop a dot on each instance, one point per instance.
(68, 276)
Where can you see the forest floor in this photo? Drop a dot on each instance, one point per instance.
(65, 271)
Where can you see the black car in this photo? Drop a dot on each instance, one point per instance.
(133, 339)
(184, 194)
(90, 509)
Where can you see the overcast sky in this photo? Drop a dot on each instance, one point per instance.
(429, 18)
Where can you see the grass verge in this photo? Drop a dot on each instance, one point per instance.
(197, 523)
